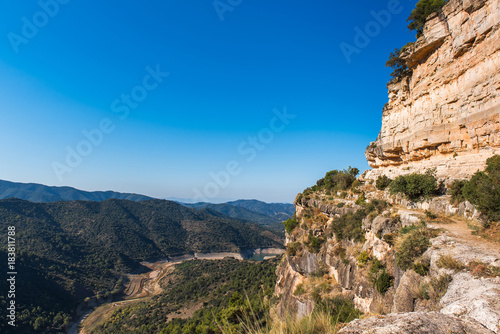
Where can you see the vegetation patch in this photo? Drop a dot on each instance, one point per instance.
(335, 180)
(229, 291)
(294, 248)
(379, 276)
(339, 308)
(481, 269)
(314, 243)
(291, 224)
(449, 262)
(421, 267)
(382, 182)
(415, 186)
(412, 242)
(422, 10)
(483, 190)
(398, 65)
(349, 226)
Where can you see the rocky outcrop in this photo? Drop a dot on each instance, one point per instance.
(404, 299)
(338, 268)
(288, 280)
(474, 298)
(446, 114)
(418, 322)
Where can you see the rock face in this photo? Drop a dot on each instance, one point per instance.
(418, 322)
(446, 114)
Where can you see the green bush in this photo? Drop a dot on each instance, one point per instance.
(415, 186)
(363, 258)
(411, 245)
(349, 226)
(422, 10)
(421, 268)
(379, 276)
(376, 205)
(493, 164)
(337, 180)
(290, 224)
(382, 182)
(384, 282)
(455, 190)
(483, 190)
(398, 65)
(361, 199)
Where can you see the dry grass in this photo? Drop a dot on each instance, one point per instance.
(449, 262)
(492, 233)
(325, 286)
(480, 269)
(315, 323)
(431, 291)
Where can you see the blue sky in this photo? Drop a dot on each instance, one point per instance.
(233, 65)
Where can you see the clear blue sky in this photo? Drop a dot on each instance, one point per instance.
(69, 69)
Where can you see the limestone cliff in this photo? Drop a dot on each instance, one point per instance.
(363, 244)
(446, 114)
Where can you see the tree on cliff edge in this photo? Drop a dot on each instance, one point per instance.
(422, 10)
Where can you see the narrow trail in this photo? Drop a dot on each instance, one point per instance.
(457, 229)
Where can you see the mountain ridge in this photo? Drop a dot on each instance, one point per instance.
(40, 193)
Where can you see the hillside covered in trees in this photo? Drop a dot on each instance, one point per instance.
(67, 251)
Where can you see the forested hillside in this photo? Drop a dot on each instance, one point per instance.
(221, 293)
(77, 249)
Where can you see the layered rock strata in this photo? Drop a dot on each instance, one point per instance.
(446, 114)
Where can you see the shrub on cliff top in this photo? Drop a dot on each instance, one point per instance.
(337, 180)
(422, 10)
(415, 186)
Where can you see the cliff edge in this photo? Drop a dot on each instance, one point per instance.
(446, 113)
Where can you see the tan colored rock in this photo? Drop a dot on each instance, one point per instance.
(446, 115)
(404, 299)
(417, 322)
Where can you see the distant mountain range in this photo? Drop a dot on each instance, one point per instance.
(270, 215)
(40, 193)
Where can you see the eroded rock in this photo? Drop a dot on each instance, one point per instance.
(417, 322)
